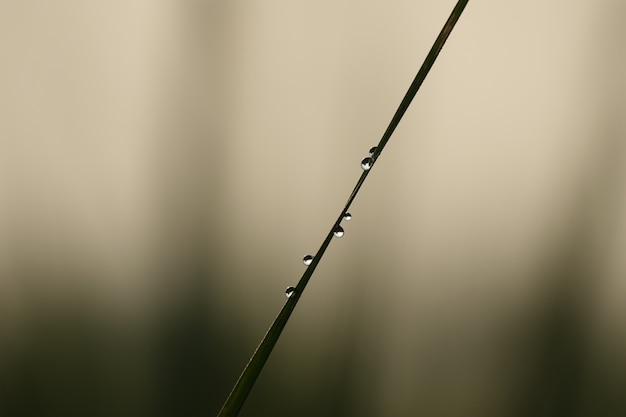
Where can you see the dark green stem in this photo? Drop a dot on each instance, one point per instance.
(252, 370)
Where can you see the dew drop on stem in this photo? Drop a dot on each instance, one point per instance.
(373, 149)
(290, 291)
(307, 260)
(347, 217)
(338, 231)
(367, 163)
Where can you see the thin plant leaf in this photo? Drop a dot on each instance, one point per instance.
(244, 384)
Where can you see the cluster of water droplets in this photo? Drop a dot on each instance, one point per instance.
(368, 161)
(308, 259)
(338, 231)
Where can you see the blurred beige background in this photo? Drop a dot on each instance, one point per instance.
(165, 165)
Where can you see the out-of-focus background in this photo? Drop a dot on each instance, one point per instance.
(164, 166)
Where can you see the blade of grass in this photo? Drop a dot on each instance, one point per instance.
(244, 384)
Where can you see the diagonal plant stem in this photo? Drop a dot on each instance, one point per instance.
(244, 384)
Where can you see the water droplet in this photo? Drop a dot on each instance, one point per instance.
(289, 291)
(338, 231)
(307, 260)
(367, 163)
(373, 149)
(347, 217)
